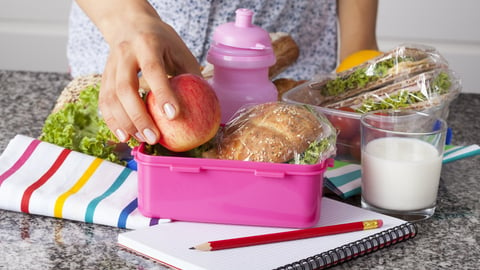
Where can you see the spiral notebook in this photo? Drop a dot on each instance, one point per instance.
(169, 243)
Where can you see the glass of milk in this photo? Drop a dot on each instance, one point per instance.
(402, 154)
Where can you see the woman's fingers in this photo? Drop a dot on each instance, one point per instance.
(157, 51)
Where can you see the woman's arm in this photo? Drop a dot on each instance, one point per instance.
(139, 41)
(357, 19)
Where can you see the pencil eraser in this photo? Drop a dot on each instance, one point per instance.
(380, 223)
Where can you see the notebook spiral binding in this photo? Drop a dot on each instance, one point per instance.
(355, 249)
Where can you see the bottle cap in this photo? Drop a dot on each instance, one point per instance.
(241, 41)
(242, 33)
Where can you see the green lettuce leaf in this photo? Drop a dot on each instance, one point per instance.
(313, 153)
(361, 77)
(78, 126)
(440, 85)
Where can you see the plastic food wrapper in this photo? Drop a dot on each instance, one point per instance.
(277, 132)
(409, 76)
(413, 77)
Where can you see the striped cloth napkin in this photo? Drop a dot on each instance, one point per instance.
(45, 179)
(344, 178)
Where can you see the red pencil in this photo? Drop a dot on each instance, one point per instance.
(289, 235)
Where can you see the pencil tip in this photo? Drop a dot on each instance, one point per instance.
(192, 248)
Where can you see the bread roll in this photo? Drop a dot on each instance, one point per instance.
(269, 132)
(286, 52)
(72, 91)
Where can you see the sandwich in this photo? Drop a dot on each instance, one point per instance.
(413, 77)
(276, 132)
(429, 89)
(382, 70)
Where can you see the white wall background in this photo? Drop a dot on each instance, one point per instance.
(33, 33)
(453, 27)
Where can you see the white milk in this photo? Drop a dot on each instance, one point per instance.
(400, 173)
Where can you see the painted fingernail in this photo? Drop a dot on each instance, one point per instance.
(169, 110)
(121, 135)
(150, 136)
(139, 137)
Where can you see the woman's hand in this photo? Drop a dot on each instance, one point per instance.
(139, 41)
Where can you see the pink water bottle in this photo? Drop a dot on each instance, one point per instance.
(241, 54)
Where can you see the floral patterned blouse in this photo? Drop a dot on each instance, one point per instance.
(311, 23)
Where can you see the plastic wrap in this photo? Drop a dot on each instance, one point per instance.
(414, 77)
(277, 132)
(408, 76)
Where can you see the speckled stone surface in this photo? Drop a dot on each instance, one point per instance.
(448, 240)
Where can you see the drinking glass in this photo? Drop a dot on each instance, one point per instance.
(401, 163)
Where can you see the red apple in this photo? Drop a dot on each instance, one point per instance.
(199, 118)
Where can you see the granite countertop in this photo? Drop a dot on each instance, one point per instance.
(448, 240)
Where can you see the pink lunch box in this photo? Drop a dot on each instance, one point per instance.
(229, 191)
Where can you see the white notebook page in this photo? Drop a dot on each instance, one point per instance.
(170, 242)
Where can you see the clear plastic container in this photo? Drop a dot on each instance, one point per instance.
(423, 71)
